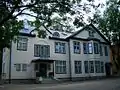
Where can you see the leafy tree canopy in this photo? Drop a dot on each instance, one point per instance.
(109, 24)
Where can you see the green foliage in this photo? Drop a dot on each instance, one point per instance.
(109, 24)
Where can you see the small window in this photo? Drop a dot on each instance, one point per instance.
(56, 34)
(78, 67)
(24, 67)
(76, 47)
(18, 67)
(91, 33)
(22, 43)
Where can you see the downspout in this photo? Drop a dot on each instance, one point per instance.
(69, 60)
(10, 62)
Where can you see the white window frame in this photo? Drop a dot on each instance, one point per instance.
(60, 67)
(42, 51)
(78, 67)
(24, 67)
(60, 47)
(22, 43)
(90, 48)
(91, 67)
(76, 47)
(97, 67)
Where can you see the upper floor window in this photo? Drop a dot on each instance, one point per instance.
(91, 34)
(96, 51)
(90, 48)
(60, 47)
(76, 46)
(85, 48)
(22, 43)
(106, 51)
(42, 51)
(101, 52)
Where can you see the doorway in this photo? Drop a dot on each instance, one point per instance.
(43, 69)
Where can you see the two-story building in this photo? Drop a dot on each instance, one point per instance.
(78, 55)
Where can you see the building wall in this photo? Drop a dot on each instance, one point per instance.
(26, 57)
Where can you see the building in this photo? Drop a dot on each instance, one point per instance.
(78, 55)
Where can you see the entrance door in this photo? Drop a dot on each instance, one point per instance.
(43, 69)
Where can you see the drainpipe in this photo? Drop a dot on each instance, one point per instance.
(69, 60)
(10, 62)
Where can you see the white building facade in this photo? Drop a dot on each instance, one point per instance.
(82, 54)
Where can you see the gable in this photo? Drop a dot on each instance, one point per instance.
(84, 33)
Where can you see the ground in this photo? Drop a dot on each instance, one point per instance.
(106, 84)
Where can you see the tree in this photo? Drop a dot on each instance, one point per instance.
(109, 24)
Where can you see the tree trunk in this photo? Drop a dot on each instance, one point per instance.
(1, 55)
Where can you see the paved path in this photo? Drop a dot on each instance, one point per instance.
(107, 84)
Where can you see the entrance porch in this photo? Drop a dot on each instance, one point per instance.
(43, 68)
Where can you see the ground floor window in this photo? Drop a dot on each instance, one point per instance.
(86, 66)
(20, 67)
(60, 67)
(91, 66)
(78, 66)
(97, 66)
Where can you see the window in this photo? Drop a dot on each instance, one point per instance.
(18, 67)
(97, 66)
(76, 46)
(21, 67)
(24, 67)
(106, 51)
(96, 51)
(60, 47)
(91, 34)
(90, 49)
(42, 51)
(60, 67)
(22, 43)
(102, 67)
(91, 66)
(85, 48)
(78, 66)
(101, 52)
(86, 67)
